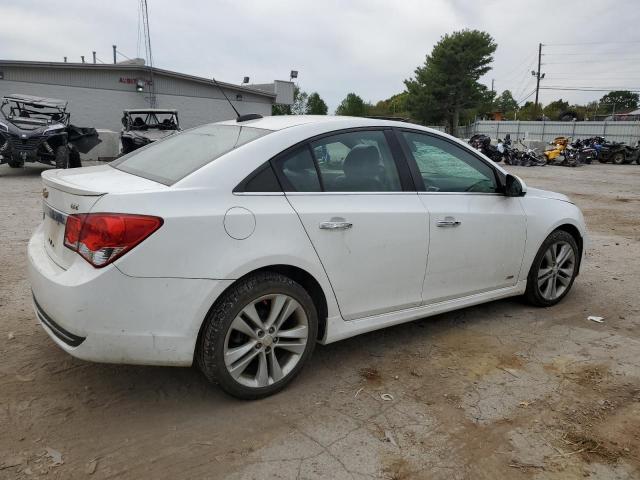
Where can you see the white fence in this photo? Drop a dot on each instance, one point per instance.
(627, 132)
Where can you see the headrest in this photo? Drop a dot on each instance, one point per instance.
(362, 158)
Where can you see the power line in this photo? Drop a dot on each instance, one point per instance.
(599, 60)
(122, 54)
(589, 43)
(589, 89)
(525, 98)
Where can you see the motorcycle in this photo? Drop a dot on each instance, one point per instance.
(585, 152)
(482, 143)
(530, 157)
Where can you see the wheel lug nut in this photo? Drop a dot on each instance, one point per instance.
(258, 345)
(275, 339)
(268, 349)
(260, 333)
(271, 330)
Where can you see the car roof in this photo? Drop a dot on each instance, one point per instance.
(47, 102)
(280, 122)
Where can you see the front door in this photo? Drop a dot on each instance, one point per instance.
(477, 234)
(370, 232)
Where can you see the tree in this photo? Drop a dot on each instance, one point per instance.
(353, 106)
(619, 101)
(447, 83)
(299, 106)
(394, 106)
(505, 103)
(315, 105)
(555, 109)
(527, 111)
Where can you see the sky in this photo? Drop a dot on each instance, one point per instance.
(364, 46)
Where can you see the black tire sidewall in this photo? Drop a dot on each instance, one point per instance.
(62, 156)
(532, 293)
(210, 355)
(618, 156)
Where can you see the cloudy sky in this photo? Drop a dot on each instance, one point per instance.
(365, 46)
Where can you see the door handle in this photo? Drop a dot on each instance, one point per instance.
(335, 225)
(448, 222)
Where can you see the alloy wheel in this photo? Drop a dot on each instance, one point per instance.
(556, 270)
(266, 340)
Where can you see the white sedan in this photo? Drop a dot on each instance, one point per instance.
(239, 245)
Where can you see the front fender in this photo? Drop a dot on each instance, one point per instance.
(545, 215)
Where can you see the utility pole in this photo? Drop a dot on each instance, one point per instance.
(114, 54)
(538, 77)
(492, 82)
(94, 57)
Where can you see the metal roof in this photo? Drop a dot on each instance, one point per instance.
(150, 110)
(133, 67)
(31, 99)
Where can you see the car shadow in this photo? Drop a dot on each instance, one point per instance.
(154, 388)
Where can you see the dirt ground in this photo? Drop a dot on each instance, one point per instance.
(500, 390)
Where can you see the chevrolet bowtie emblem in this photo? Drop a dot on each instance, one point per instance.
(45, 192)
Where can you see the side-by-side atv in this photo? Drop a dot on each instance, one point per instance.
(143, 126)
(35, 129)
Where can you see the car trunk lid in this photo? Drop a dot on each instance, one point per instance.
(74, 191)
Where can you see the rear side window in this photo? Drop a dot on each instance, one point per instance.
(175, 157)
(299, 171)
(356, 162)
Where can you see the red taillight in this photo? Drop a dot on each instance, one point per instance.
(100, 238)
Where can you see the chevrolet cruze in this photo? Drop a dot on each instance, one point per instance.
(238, 245)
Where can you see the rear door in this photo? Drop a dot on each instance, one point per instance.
(477, 234)
(358, 206)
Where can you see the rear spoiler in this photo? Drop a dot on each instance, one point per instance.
(49, 178)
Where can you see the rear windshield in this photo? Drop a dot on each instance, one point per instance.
(175, 157)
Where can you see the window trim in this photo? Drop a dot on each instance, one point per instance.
(415, 170)
(407, 184)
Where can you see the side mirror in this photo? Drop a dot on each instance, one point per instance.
(514, 187)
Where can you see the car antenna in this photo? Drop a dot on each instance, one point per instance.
(239, 118)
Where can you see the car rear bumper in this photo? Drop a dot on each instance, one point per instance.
(104, 315)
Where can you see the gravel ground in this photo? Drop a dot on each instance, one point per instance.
(501, 390)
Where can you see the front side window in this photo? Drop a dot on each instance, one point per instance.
(175, 157)
(356, 162)
(446, 167)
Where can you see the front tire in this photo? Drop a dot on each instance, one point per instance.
(553, 270)
(74, 158)
(62, 156)
(258, 336)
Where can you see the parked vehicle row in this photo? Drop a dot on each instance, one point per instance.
(561, 151)
(37, 129)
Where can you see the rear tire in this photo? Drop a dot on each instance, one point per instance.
(553, 270)
(74, 158)
(246, 355)
(15, 164)
(62, 156)
(618, 158)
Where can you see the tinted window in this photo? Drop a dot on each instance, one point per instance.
(262, 180)
(299, 171)
(446, 167)
(356, 162)
(172, 159)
